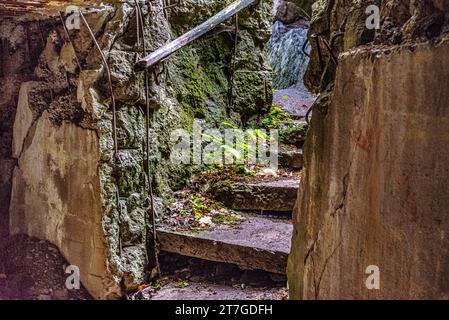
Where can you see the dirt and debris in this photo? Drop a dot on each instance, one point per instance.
(249, 174)
(210, 291)
(194, 208)
(34, 269)
(192, 278)
(196, 212)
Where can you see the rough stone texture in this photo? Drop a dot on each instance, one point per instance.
(212, 71)
(293, 132)
(287, 12)
(256, 243)
(293, 101)
(207, 291)
(288, 50)
(401, 22)
(293, 159)
(375, 190)
(66, 176)
(276, 195)
(283, 9)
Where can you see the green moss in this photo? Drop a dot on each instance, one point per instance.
(293, 133)
(271, 121)
(197, 86)
(198, 79)
(252, 92)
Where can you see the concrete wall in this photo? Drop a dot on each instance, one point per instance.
(56, 194)
(376, 186)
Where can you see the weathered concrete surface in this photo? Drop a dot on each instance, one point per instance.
(52, 200)
(208, 291)
(8, 93)
(293, 159)
(18, 60)
(376, 185)
(256, 243)
(24, 118)
(275, 195)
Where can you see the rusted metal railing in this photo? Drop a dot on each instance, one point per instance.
(168, 49)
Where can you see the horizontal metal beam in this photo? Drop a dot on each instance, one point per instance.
(168, 49)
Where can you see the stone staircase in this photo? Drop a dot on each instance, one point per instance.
(261, 242)
(292, 159)
(257, 243)
(278, 195)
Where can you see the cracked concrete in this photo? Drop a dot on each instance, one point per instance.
(376, 186)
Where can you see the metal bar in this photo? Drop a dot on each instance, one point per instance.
(334, 58)
(165, 51)
(108, 72)
(304, 47)
(318, 46)
(140, 22)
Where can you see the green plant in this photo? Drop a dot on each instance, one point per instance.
(156, 286)
(275, 116)
(295, 130)
(244, 170)
(242, 148)
(182, 284)
(199, 207)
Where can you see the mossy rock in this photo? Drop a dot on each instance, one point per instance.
(293, 132)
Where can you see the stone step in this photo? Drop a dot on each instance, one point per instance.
(293, 159)
(294, 102)
(293, 132)
(256, 243)
(277, 195)
(211, 291)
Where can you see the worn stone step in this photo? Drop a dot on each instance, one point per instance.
(293, 159)
(293, 132)
(210, 291)
(294, 102)
(272, 195)
(256, 244)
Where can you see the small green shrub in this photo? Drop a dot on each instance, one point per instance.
(275, 116)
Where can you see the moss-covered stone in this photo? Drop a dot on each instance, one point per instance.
(198, 79)
(293, 132)
(194, 83)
